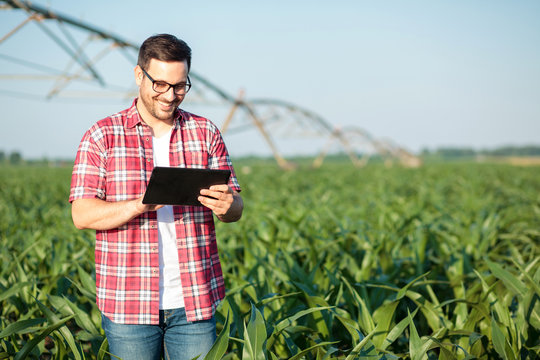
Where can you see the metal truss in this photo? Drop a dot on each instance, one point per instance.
(86, 47)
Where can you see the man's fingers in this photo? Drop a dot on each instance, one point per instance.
(217, 198)
(206, 201)
(222, 188)
(217, 194)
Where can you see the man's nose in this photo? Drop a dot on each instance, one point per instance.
(169, 94)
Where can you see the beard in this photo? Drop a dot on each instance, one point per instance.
(159, 108)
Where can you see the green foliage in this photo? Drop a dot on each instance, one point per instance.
(436, 262)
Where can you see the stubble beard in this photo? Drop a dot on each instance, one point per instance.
(152, 104)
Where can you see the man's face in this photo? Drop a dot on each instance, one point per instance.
(160, 106)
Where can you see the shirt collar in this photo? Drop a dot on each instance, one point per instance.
(133, 117)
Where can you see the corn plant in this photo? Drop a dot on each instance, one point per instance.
(439, 262)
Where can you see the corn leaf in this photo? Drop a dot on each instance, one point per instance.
(254, 336)
(500, 342)
(19, 327)
(29, 346)
(511, 282)
(222, 342)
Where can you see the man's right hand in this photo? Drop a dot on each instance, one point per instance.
(142, 208)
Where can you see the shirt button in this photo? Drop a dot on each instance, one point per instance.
(147, 139)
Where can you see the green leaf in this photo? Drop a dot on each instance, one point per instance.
(429, 343)
(222, 342)
(68, 336)
(510, 281)
(88, 294)
(255, 336)
(434, 316)
(29, 346)
(301, 354)
(19, 326)
(398, 330)
(13, 290)
(318, 318)
(383, 318)
(498, 339)
(275, 297)
(369, 353)
(528, 277)
(60, 346)
(248, 352)
(351, 326)
(365, 319)
(403, 290)
(289, 321)
(503, 314)
(102, 352)
(88, 283)
(445, 354)
(415, 343)
(82, 318)
(500, 342)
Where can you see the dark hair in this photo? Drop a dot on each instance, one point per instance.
(164, 47)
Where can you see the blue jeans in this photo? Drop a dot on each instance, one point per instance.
(174, 338)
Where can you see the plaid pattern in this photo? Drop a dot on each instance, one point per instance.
(114, 163)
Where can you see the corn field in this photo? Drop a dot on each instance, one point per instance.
(439, 262)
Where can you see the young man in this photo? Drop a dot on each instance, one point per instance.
(158, 274)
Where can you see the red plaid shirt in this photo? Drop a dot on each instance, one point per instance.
(114, 163)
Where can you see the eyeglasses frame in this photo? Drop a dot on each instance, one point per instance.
(188, 84)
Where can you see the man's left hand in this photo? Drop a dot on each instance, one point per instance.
(224, 202)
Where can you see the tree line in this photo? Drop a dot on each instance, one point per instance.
(461, 152)
(14, 158)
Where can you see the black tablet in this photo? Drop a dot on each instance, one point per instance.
(181, 186)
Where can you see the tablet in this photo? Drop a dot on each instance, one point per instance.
(181, 186)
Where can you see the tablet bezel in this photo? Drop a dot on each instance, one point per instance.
(181, 186)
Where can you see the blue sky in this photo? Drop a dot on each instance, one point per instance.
(424, 74)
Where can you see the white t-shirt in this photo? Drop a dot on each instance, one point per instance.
(170, 284)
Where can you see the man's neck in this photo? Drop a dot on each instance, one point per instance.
(158, 126)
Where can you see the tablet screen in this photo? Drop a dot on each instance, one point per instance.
(181, 186)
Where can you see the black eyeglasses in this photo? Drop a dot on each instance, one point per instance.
(162, 86)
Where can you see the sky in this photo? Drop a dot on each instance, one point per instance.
(422, 74)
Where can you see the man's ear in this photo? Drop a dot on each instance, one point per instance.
(138, 75)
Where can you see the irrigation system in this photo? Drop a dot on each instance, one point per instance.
(86, 46)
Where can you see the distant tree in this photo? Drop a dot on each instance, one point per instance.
(15, 158)
(529, 150)
(2, 156)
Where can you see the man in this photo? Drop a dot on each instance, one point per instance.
(158, 275)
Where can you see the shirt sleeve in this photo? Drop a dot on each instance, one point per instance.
(219, 158)
(89, 170)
